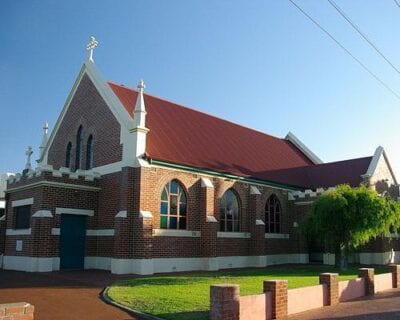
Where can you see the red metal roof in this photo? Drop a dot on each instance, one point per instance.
(322, 175)
(188, 137)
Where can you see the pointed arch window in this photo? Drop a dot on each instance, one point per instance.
(173, 209)
(273, 212)
(68, 155)
(79, 145)
(89, 153)
(229, 212)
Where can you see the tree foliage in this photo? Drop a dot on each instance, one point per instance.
(346, 218)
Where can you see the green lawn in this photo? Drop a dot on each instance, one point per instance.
(186, 296)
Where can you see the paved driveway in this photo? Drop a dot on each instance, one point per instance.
(383, 306)
(72, 295)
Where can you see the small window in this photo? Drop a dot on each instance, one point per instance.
(273, 215)
(173, 206)
(68, 155)
(89, 153)
(229, 212)
(22, 217)
(79, 145)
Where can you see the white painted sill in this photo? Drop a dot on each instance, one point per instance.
(276, 236)
(176, 233)
(240, 235)
(18, 232)
(89, 232)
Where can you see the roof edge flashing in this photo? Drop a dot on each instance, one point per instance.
(303, 148)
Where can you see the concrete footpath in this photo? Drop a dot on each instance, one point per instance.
(383, 306)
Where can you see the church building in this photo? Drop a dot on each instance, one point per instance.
(133, 183)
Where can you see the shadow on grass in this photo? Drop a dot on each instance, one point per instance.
(205, 277)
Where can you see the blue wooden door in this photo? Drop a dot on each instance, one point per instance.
(72, 241)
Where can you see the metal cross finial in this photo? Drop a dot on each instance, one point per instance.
(28, 153)
(46, 128)
(90, 47)
(141, 86)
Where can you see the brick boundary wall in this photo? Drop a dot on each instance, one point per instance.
(279, 297)
(16, 311)
(395, 270)
(332, 282)
(225, 299)
(368, 275)
(225, 302)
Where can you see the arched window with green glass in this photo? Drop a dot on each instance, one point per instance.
(78, 151)
(89, 153)
(229, 212)
(173, 208)
(273, 212)
(68, 156)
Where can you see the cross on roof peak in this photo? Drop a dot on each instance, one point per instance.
(28, 153)
(93, 43)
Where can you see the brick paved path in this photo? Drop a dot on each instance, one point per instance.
(383, 306)
(70, 295)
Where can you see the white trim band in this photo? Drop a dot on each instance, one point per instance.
(42, 214)
(81, 212)
(145, 214)
(100, 232)
(18, 232)
(121, 214)
(175, 233)
(242, 235)
(89, 232)
(276, 236)
(206, 183)
(259, 222)
(22, 202)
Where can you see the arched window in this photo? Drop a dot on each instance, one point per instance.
(68, 155)
(89, 153)
(229, 212)
(173, 207)
(273, 215)
(78, 156)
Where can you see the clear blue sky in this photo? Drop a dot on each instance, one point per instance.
(259, 63)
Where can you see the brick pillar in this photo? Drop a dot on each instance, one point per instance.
(208, 223)
(224, 302)
(368, 275)
(16, 311)
(279, 297)
(332, 282)
(41, 223)
(129, 197)
(395, 270)
(256, 223)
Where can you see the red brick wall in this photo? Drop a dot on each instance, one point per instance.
(41, 242)
(89, 110)
(153, 182)
(16, 311)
